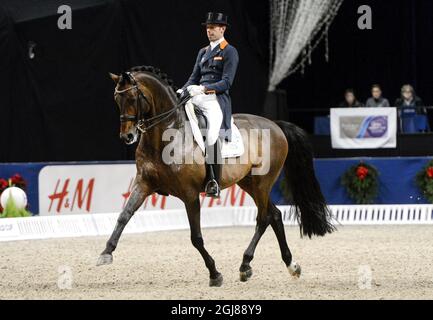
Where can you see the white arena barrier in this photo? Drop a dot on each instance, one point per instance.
(64, 226)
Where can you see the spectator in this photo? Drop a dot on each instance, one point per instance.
(350, 100)
(409, 100)
(377, 101)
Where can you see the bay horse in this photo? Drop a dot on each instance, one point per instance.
(149, 105)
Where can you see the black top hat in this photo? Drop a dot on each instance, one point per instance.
(216, 18)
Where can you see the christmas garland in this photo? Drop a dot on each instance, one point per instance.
(361, 183)
(424, 181)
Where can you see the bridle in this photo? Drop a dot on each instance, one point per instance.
(144, 125)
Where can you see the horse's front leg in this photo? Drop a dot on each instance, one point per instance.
(136, 199)
(193, 210)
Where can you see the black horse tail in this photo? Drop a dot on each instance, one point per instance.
(309, 204)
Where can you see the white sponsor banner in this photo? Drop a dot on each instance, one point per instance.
(78, 189)
(8, 229)
(364, 128)
(47, 227)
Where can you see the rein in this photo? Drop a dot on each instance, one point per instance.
(144, 125)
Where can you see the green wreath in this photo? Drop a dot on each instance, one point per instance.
(424, 181)
(362, 183)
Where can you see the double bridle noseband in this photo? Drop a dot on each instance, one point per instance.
(143, 125)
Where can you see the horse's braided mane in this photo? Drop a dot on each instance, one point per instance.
(156, 72)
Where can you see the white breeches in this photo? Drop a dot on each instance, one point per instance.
(212, 110)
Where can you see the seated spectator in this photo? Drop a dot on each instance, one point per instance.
(350, 100)
(376, 100)
(409, 100)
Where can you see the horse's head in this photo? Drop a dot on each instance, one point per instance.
(133, 105)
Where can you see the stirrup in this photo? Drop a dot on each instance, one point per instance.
(214, 193)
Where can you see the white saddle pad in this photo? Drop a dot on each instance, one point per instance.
(232, 149)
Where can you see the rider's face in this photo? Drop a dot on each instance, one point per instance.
(215, 32)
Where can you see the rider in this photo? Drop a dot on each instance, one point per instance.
(209, 84)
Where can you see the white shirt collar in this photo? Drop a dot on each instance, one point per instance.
(213, 44)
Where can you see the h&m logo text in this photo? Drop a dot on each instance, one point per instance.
(82, 195)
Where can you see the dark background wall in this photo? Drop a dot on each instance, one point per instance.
(397, 51)
(59, 106)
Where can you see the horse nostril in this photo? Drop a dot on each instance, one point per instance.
(130, 136)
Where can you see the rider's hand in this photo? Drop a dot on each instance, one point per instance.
(180, 93)
(196, 90)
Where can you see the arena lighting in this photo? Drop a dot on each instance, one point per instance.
(31, 51)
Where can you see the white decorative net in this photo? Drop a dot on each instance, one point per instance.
(297, 27)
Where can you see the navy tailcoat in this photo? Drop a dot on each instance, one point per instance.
(215, 70)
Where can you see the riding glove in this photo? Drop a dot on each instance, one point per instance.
(196, 90)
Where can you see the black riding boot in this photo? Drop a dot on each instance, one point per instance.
(214, 165)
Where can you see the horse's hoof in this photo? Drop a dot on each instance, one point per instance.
(217, 282)
(295, 270)
(104, 259)
(245, 275)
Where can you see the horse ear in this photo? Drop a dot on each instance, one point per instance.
(115, 78)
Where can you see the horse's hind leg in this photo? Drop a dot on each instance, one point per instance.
(136, 199)
(193, 210)
(262, 222)
(245, 270)
(278, 227)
